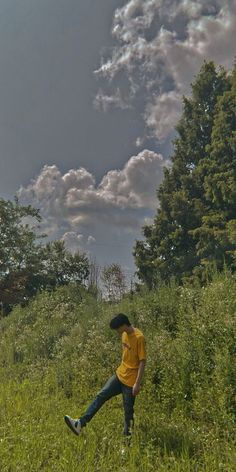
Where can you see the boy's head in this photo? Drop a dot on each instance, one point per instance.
(120, 322)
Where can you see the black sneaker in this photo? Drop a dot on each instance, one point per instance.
(74, 425)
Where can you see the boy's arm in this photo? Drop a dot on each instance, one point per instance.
(137, 385)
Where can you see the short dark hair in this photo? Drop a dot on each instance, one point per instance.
(119, 320)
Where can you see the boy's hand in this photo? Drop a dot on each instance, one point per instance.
(136, 389)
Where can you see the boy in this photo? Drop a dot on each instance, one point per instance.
(126, 380)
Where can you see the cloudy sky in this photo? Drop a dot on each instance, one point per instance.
(90, 92)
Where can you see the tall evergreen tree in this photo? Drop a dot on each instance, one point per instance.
(170, 247)
(215, 237)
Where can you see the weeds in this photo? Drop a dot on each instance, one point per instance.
(56, 354)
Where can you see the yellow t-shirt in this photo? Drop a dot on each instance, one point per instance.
(134, 351)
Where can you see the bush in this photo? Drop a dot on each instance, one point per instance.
(56, 353)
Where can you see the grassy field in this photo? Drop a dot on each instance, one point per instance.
(56, 354)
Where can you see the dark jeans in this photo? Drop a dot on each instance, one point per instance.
(111, 388)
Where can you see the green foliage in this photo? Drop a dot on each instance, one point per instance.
(57, 352)
(113, 280)
(194, 225)
(18, 249)
(60, 267)
(26, 266)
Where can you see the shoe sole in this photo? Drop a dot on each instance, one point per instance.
(70, 425)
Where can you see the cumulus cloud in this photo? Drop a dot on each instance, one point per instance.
(162, 115)
(85, 214)
(161, 45)
(72, 241)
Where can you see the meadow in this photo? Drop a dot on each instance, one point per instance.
(58, 351)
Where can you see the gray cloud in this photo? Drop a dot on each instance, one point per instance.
(110, 101)
(163, 114)
(72, 240)
(160, 47)
(85, 214)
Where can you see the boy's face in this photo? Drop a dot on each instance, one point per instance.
(121, 329)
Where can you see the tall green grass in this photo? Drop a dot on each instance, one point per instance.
(56, 354)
